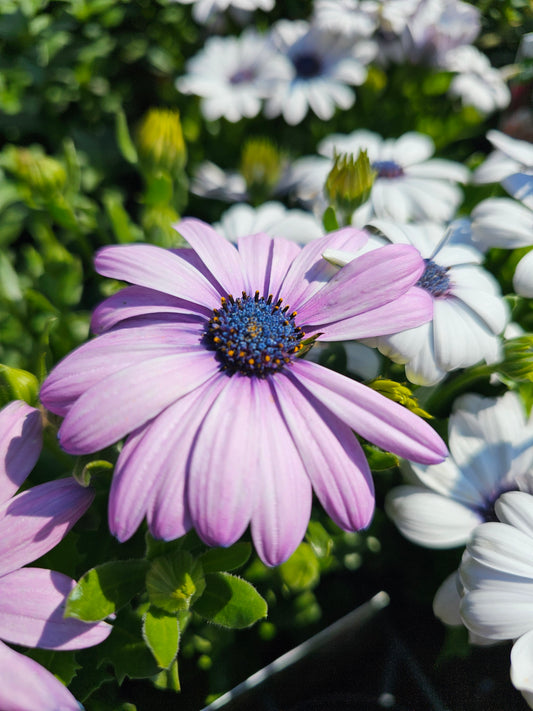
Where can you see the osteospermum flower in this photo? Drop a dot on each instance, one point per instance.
(502, 222)
(198, 360)
(320, 68)
(511, 163)
(204, 11)
(270, 217)
(410, 185)
(32, 600)
(468, 311)
(232, 75)
(497, 576)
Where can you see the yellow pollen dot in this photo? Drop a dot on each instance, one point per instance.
(267, 359)
(251, 361)
(230, 353)
(242, 354)
(216, 339)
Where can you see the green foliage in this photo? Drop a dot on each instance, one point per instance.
(230, 601)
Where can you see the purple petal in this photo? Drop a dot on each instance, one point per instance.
(27, 686)
(225, 464)
(373, 416)
(134, 301)
(33, 522)
(110, 353)
(32, 608)
(168, 513)
(156, 268)
(368, 282)
(309, 271)
(407, 311)
(149, 457)
(266, 262)
(20, 445)
(333, 458)
(282, 491)
(217, 253)
(123, 401)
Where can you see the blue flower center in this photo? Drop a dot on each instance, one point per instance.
(435, 279)
(387, 169)
(307, 65)
(242, 76)
(252, 335)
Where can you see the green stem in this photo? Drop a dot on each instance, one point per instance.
(439, 400)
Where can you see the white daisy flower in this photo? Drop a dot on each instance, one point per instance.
(273, 218)
(497, 577)
(410, 185)
(511, 156)
(477, 82)
(211, 181)
(503, 222)
(491, 451)
(319, 67)
(356, 18)
(232, 75)
(204, 10)
(468, 311)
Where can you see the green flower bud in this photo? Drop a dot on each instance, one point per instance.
(41, 173)
(160, 142)
(517, 362)
(400, 394)
(175, 581)
(349, 182)
(16, 384)
(261, 166)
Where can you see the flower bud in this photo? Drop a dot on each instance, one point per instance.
(160, 142)
(349, 182)
(42, 173)
(400, 394)
(518, 358)
(261, 166)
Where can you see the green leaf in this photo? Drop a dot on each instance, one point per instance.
(222, 559)
(230, 601)
(320, 540)
(124, 229)
(16, 384)
(329, 220)
(124, 141)
(84, 469)
(63, 665)
(168, 678)
(378, 460)
(161, 634)
(302, 570)
(9, 281)
(105, 589)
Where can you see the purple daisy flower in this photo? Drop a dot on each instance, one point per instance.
(198, 360)
(32, 600)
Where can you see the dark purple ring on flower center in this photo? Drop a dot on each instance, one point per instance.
(307, 65)
(387, 169)
(252, 335)
(242, 76)
(435, 279)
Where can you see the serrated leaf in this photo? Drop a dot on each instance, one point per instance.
(223, 559)
(302, 570)
(161, 634)
(105, 589)
(230, 601)
(174, 581)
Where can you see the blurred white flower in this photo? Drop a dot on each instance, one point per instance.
(410, 185)
(477, 83)
(356, 18)
(273, 218)
(204, 10)
(503, 222)
(319, 66)
(497, 579)
(468, 311)
(232, 75)
(511, 156)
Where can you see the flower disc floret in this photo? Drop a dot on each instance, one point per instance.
(252, 335)
(435, 279)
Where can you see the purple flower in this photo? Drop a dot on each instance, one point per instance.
(198, 361)
(32, 600)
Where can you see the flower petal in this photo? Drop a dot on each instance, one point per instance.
(521, 666)
(266, 262)
(371, 415)
(135, 343)
(33, 522)
(332, 456)
(156, 268)
(447, 601)
(224, 463)
(135, 301)
(27, 686)
(368, 282)
(32, 612)
(429, 519)
(20, 445)
(282, 494)
(109, 410)
(218, 254)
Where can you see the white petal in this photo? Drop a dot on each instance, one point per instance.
(522, 666)
(523, 276)
(447, 601)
